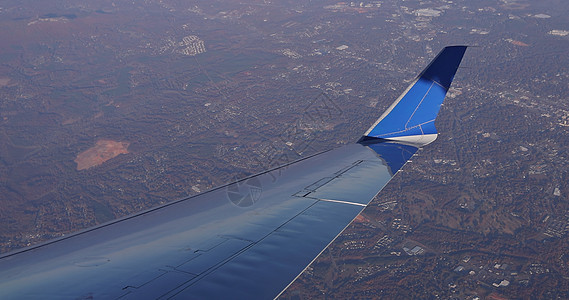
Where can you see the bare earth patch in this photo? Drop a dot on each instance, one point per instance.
(100, 153)
(518, 43)
(4, 81)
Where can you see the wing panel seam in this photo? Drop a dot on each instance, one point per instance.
(420, 102)
(343, 202)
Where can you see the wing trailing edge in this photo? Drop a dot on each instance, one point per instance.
(411, 118)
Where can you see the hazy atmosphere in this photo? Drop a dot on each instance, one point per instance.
(108, 108)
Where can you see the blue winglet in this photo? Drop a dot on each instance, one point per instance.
(411, 118)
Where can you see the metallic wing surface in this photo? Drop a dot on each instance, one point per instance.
(246, 240)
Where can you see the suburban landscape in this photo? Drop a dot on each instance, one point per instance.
(108, 108)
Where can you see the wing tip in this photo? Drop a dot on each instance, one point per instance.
(443, 67)
(412, 119)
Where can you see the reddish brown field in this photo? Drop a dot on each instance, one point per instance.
(100, 153)
(518, 43)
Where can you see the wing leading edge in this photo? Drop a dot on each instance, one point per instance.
(246, 240)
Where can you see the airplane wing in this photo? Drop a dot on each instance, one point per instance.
(246, 240)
